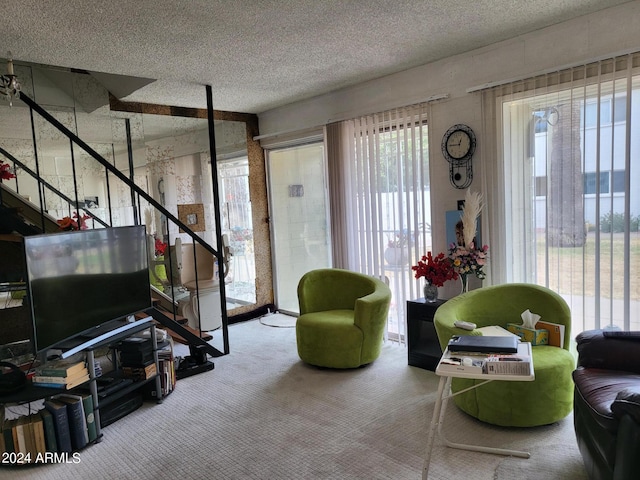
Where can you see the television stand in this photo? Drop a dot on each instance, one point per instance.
(109, 395)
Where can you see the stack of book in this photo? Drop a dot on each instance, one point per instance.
(137, 358)
(166, 360)
(61, 374)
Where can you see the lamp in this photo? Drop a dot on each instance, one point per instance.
(9, 85)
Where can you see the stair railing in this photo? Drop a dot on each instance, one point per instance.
(136, 194)
(44, 184)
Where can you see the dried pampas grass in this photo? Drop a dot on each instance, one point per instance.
(470, 212)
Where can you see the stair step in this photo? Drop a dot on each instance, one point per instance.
(176, 318)
(205, 336)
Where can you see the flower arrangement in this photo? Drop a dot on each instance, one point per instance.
(73, 223)
(435, 270)
(5, 171)
(467, 259)
(160, 247)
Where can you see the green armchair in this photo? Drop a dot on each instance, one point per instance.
(549, 397)
(342, 319)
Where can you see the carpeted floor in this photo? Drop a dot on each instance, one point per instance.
(263, 414)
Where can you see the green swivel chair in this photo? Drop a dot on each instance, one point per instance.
(549, 397)
(342, 319)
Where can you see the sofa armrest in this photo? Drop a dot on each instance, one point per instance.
(627, 402)
(597, 351)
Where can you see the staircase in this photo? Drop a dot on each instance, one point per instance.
(19, 216)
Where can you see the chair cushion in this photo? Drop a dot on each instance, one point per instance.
(524, 404)
(329, 339)
(628, 403)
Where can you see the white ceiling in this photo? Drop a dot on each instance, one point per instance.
(260, 54)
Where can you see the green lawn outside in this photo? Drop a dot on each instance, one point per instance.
(573, 270)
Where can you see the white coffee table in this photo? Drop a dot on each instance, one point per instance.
(446, 374)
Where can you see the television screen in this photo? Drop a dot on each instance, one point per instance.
(79, 280)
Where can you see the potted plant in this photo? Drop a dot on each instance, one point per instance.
(396, 251)
(435, 270)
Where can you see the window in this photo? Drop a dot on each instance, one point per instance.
(571, 210)
(388, 212)
(609, 108)
(619, 182)
(591, 180)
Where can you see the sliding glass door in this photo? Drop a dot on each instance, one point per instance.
(571, 149)
(299, 218)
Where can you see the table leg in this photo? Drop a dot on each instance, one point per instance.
(474, 448)
(435, 421)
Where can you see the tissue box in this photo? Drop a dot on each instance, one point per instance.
(531, 335)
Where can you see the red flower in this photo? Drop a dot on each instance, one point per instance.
(161, 247)
(66, 223)
(436, 270)
(75, 223)
(5, 171)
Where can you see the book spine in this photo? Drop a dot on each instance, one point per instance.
(49, 379)
(60, 372)
(76, 425)
(77, 421)
(54, 372)
(8, 436)
(61, 420)
(60, 386)
(30, 438)
(38, 433)
(87, 404)
(21, 444)
(64, 386)
(49, 431)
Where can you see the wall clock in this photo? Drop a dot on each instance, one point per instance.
(458, 147)
(458, 143)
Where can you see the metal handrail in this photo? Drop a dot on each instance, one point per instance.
(136, 190)
(50, 187)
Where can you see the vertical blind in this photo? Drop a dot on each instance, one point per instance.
(383, 177)
(570, 144)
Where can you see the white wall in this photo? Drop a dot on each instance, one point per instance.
(606, 33)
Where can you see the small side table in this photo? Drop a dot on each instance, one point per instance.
(444, 394)
(422, 340)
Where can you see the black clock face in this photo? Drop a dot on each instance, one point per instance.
(458, 143)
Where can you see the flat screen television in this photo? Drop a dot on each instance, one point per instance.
(80, 280)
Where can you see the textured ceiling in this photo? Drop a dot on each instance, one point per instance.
(260, 54)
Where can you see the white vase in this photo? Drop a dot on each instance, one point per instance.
(395, 256)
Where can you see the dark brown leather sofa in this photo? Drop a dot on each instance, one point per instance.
(607, 404)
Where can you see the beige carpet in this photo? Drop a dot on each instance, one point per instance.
(547, 461)
(262, 414)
